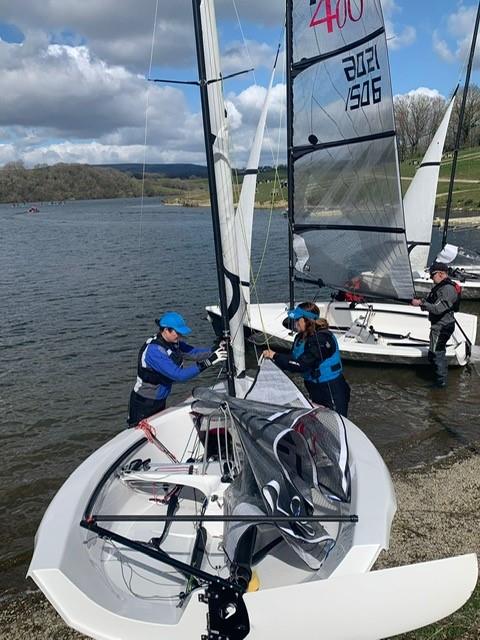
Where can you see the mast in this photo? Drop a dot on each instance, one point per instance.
(459, 130)
(290, 183)
(212, 185)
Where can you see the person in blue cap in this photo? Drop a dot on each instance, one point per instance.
(316, 356)
(160, 364)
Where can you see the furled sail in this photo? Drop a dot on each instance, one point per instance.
(295, 463)
(349, 227)
(246, 202)
(419, 201)
(223, 175)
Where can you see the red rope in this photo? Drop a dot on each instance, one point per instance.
(151, 435)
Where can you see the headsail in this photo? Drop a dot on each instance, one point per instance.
(419, 201)
(348, 216)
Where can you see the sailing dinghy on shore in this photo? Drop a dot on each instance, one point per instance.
(242, 512)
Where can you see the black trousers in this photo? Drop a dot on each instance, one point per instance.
(334, 394)
(140, 408)
(437, 353)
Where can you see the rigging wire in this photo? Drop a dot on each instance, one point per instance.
(147, 104)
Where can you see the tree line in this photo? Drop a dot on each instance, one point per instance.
(418, 116)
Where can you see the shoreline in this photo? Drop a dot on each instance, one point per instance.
(437, 516)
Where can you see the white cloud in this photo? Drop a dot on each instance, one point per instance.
(424, 91)
(454, 45)
(398, 38)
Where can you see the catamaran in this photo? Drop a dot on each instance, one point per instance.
(346, 221)
(211, 518)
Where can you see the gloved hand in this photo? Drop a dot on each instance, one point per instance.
(217, 357)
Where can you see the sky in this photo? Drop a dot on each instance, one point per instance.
(73, 74)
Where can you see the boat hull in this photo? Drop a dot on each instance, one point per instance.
(370, 333)
(470, 288)
(107, 591)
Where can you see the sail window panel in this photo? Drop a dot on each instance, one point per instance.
(323, 26)
(350, 185)
(374, 264)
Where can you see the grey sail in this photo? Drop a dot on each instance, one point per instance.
(349, 229)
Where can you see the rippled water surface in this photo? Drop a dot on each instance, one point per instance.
(80, 285)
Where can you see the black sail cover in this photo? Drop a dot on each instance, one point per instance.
(295, 463)
(349, 228)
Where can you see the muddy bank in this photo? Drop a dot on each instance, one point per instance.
(438, 515)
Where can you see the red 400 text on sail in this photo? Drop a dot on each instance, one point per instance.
(343, 12)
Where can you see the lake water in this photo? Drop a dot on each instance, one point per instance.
(80, 286)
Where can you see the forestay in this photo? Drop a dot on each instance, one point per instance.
(349, 227)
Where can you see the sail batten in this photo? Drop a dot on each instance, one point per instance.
(348, 222)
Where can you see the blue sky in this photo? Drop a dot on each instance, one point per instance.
(72, 73)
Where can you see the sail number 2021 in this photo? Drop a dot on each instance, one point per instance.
(344, 10)
(365, 91)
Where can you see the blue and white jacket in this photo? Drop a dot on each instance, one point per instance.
(160, 364)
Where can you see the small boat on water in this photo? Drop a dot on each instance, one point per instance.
(244, 511)
(33, 210)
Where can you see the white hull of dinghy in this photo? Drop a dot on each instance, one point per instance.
(470, 288)
(108, 592)
(400, 333)
(368, 606)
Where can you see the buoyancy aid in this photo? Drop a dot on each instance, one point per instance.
(433, 295)
(328, 369)
(150, 376)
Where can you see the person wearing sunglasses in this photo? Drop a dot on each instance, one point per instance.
(161, 364)
(316, 356)
(441, 304)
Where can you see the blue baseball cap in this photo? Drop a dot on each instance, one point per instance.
(173, 320)
(298, 312)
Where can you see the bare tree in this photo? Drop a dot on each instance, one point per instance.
(470, 134)
(418, 117)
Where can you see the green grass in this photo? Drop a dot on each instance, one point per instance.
(466, 195)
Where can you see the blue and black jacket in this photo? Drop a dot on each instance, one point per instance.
(160, 364)
(317, 357)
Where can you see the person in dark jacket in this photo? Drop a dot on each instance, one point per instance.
(160, 364)
(441, 304)
(315, 355)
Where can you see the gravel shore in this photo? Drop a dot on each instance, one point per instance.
(438, 515)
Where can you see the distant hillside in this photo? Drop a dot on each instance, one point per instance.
(64, 182)
(167, 170)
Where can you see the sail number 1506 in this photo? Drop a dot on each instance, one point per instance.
(363, 90)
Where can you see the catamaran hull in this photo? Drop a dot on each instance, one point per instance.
(370, 333)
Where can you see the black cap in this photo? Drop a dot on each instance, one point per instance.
(439, 266)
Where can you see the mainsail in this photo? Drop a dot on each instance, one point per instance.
(348, 222)
(419, 201)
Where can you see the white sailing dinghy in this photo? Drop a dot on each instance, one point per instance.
(346, 219)
(214, 516)
(464, 263)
